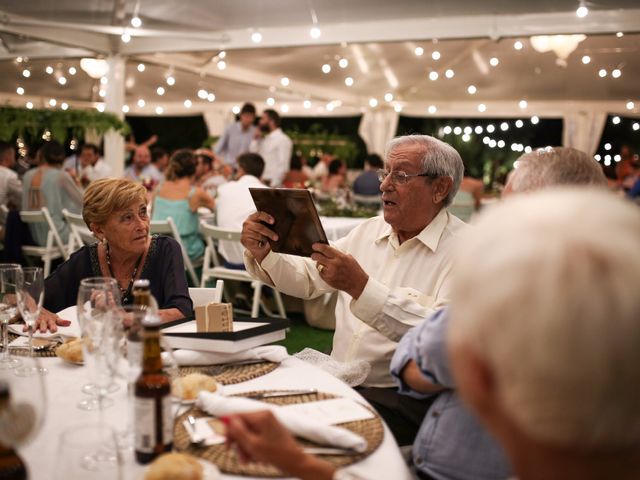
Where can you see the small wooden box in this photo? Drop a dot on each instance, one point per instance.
(214, 317)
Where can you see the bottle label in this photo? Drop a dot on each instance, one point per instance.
(145, 424)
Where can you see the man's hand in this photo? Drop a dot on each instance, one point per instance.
(260, 437)
(340, 270)
(255, 235)
(48, 321)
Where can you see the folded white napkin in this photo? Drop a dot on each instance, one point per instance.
(271, 353)
(73, 330)
(297, 424)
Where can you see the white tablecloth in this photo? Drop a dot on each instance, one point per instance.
(63, 392)
(338, 227)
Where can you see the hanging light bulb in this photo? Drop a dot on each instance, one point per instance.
(582, 10)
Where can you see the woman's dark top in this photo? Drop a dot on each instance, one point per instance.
(163, 267)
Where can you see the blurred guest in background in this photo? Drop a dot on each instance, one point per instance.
(627, 168)
(367, 182)
(556, 270)
(180, 199)
(140, 169)
(159, 161)
(337, 177)
(115, 210)
(92, 166)
(321, 169)
(50, 186)
(274, 147)
(468, 199)
(211, 172)
(238, 136)
(10, 185)
(295, 177)
(234, 204)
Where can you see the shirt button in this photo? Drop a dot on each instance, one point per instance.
(435, 414)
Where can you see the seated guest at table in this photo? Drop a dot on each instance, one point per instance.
(159, 162)
(180, 199)
(451, 443)
(234, 204)
(140, 169)
(337, 177)
(367, 182)
(544, 333)
(92, 167)
(321, 168)
(116, 212)
(390, 272)
(50, 186)
(467, 200)
(211, 171)
(295, 177)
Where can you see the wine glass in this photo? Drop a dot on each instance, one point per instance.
(30, 292)
(88, 451)
(9, 273)
(22, 407)
(98, 302)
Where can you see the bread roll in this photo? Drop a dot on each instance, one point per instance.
(189, 386)
(71, 350)
(174, 466)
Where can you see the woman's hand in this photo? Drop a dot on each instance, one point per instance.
(48, 321)
(259, 436)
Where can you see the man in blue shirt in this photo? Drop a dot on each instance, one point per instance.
(367, 182)
(238, 136)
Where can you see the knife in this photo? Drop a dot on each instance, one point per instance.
(279, 393)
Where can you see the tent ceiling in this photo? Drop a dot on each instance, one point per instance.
(378, 38)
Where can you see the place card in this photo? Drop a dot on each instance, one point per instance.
(332, 411)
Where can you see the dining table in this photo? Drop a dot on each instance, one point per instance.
(63, 391)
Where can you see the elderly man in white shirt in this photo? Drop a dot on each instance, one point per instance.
(234, 204)
(391, 271)
(275, 148)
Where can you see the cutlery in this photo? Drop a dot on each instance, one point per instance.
(279, 393)
(329, 451)
(191, 430)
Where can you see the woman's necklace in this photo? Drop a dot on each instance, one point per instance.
(124, 292)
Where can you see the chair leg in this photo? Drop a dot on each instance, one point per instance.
(280, 304)
(47, 266)
(255, 306)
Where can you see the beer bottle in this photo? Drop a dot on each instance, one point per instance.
(141, 299)
(152, 390)
(11, 465)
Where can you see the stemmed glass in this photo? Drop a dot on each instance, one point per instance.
(30, 292)
(22, 406)
(98, 302)
(9, 275)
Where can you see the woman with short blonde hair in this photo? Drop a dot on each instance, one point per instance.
(115, 210)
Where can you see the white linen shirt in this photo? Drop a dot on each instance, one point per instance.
(407, 283)
(233, 205)
(101, 169)
(275, 149)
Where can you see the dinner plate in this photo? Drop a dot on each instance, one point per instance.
(73, 330)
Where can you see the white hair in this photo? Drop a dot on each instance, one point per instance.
(556, 166)
(546, 292)
(437, 158)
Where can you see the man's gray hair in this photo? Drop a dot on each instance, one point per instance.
(545, 293)
(438, 158)
(555, 167)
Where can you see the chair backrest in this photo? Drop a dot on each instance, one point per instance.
(168, 227)
(211, 234)
(368, 200)
(203, 296)
(79, 233)
(53, 237)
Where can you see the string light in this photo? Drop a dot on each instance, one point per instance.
(519, 123)
(523, 104)
(466, 137)
(619, 34)
(188, 103)
(141, 67)
(482, 108)
(602, 73)
(72, 70)
(284, 108)
(348, 81)
(329, 107)
(62, 80)
(284, 81)
(26, 73)
(433, 76)
(457, 131)
(586, 59)
(343, 63)
(306, 104)
(202, 93)
(29, 105)
(478, 130)
(535, 120)
(504, 126)
(432, 109)
(221, 65)
(435, 55)
(373, 103)
(125, 108)
(159, 110)
(171, 80)
(630, 105)
(256, 37)
(617, 73)
(615, 120)
(136, 22)
(467, 130)
(501, 143)
(222, 54)
(471, 89)
(20, 91)
(125, 37)
(64, 105)
(315, 33)
(102, 93)
(449, 73)
(271, 101)
(597, 157)
(494, 61)
(100, 107)
(160, 91)
(518, 45)
(104, 80)
(49, 69)
(397, 108)
(388, 97)
(491, 128)
(636, 126)
(141, 103)
(447, 130)
(582, 11)
(235, 109)
(211, 97)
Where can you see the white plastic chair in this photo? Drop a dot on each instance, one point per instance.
(168, 227)
(54, 248)
(212, 268)
(79, 233)
(203, 296)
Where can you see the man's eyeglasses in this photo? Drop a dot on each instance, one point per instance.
(399, 177)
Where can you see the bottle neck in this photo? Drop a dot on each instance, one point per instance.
(151, 353)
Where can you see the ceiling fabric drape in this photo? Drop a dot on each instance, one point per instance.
(583, 130)
(377, 127)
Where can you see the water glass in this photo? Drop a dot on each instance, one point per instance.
(30, 293)
(88, 451)
(9, 275)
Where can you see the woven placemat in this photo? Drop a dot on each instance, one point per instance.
(228, 462)
(24, 352)
(230, 374)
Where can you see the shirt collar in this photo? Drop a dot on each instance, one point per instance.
(429, 236)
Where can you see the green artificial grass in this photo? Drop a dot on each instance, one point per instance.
(301, 336)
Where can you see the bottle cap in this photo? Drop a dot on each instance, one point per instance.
(142, 282)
